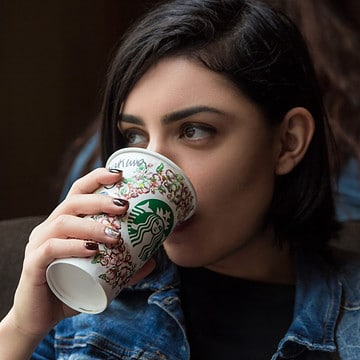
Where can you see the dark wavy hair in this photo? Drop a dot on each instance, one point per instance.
(262, 52)
(332, 31)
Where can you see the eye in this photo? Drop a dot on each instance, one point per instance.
(135, 137)
(196, 132)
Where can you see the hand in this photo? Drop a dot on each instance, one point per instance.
(63, 234)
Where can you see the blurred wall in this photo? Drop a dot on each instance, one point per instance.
(53, 57)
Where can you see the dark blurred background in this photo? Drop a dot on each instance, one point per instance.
(53, 60)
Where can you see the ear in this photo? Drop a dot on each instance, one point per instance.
(296, 132)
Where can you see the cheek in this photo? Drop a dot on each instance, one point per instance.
(233, 187)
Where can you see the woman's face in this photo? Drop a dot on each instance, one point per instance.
(198, 119)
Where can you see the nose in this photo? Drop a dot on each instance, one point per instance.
(160, 146)
(155, 143)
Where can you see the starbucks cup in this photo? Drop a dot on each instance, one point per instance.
(160, 197)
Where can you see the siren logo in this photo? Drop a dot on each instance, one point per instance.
(149, 223)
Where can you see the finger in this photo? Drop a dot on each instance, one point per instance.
(96, 178)
(38, 260)
(148, 267)
(89, 204)
(67, 226)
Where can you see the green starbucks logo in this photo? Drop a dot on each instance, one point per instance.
(149, 223)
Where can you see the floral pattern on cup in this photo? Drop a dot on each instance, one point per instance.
(167, 182)
(117, 259)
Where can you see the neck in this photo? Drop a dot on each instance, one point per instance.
(261, 260)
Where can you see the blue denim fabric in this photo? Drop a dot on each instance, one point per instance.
(80, 163)
(146, 321)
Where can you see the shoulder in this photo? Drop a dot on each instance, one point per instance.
(346, 265)
(347, 271)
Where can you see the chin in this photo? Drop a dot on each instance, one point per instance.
(183, 247)
(183, 256)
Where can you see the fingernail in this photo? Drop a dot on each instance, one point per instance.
(112, 233)
(115, 171)
(90, 245)
(120, 202)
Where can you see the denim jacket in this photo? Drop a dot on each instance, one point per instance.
(146, 321)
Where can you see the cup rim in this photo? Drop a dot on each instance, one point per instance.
(157, 155)
(55, 282)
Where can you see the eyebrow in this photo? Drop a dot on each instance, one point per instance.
(172, 117)
(182, 114)
(130, 119)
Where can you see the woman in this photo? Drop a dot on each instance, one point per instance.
(225, 89)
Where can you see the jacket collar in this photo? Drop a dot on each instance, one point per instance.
(163, 277)
(317, 302)
(317, 307)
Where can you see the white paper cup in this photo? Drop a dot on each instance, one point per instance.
(160, 197)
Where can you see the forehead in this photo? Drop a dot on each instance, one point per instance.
(178, 82)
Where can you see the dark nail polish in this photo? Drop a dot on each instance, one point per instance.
(120, 202)
(115, 171)
(91, 245)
